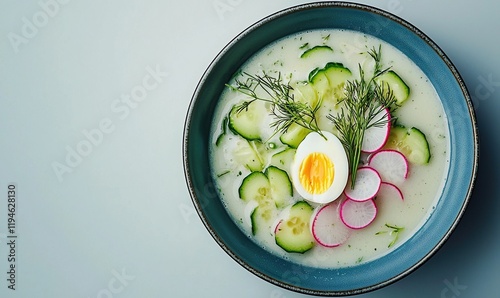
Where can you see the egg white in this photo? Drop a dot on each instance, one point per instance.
(333, 149)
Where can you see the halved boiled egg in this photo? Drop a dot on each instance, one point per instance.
(320, 168)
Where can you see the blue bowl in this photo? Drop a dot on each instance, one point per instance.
(463, 137)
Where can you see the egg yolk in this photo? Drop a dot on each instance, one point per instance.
(316, 173)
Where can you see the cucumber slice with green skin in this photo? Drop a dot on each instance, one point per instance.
(272, 185)
(411, 142)
(294, 135)
(246, 123)
(256, 187)
(294, 233)
(399, 89)
(398, 132)
(263, 216)
(320, 82)
(283, 158)
(336, 66)
(330, 79)
(420, 153)
(305, 92)
(248, 155)
(281, 186)
(223, 131)
(337, 76)
(317, 50)
(270, 190)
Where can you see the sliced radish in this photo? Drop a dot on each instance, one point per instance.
(327, 227)
(391, 205)
(391, 165)
(358, 215)
(277, 225)
(375, 137)
(363, 158)
(366, 185)
(391, 191)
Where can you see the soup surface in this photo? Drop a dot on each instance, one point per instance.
(254, 145)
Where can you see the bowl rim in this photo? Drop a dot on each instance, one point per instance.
(384, 14)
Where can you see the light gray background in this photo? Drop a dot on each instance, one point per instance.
(121, 223)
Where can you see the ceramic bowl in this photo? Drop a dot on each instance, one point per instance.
(460, 178)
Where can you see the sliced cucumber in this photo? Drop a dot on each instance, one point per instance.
(283, 158)
(320, 82)
(246, 123)
(294, 135)
(256, 187)
(316, 50)
(398, 87)
(247, 154)
(274, 184)
(281, 187)
(294, 234)
(420, 153)
(411, 142)
(224, 123)
(305, 92)
(330, 80)
(270, 190)
(263, 216)
(337, 76)
(396, 134)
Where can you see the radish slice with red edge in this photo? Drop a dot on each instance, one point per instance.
(375, 137)
(389, 190)
(276, 226)
(390, 204)
(357, 215)
(366, 186)
(327, 227)
(392, 165)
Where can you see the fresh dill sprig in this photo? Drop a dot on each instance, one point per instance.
(364, 100)
(377, 55)
(394, 230)
(284, 108)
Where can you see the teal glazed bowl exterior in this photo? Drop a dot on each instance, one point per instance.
(460, 179)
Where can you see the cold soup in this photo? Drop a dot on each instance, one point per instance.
(329, 148)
